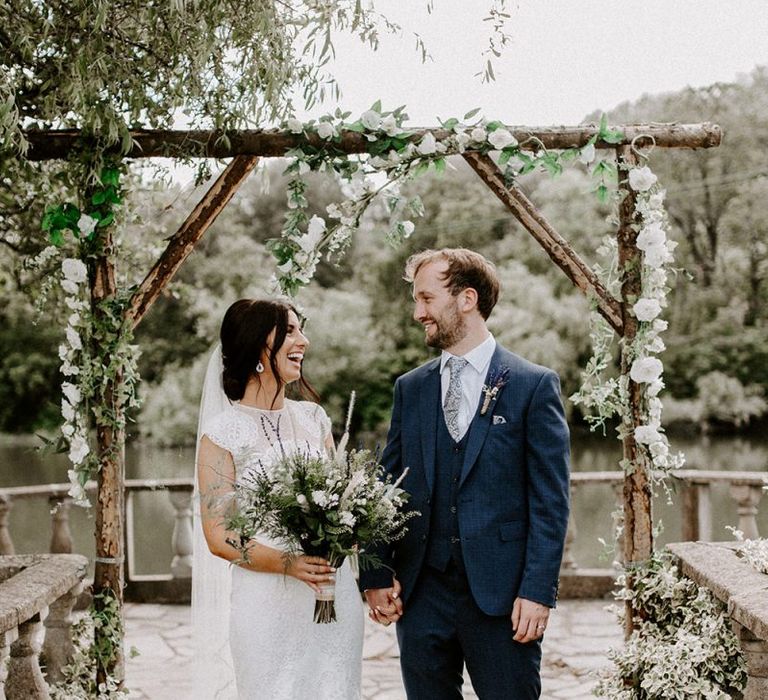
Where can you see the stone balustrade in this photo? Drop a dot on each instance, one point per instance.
(742, 589)
(694, 497)
(37, 592)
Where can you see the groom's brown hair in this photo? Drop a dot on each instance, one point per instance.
(466, 269)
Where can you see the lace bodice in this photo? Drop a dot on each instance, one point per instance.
(256, 437)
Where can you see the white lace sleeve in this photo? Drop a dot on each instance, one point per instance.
(219, 431)
(325, 422)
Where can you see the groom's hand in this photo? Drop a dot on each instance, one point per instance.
(385, 603)
(529, 620)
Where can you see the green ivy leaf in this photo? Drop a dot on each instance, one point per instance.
(471, 113)
(449, 123)
(440, 165)
(376, 107)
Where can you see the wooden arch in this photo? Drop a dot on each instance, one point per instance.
(247, 147)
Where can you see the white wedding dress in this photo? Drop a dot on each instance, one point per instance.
(278, 652)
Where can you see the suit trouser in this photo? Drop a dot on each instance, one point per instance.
(442, 628)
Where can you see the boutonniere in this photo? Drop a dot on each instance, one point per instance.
(491, 390)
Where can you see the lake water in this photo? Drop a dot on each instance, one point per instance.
(21, 464)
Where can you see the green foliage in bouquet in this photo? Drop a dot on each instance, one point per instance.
(321, 506)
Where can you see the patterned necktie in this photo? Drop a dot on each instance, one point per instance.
(453, 396)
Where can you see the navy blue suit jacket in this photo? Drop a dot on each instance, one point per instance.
(513, 489)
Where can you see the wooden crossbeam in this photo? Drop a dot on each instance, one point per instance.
(61, 144)
(558, 248)
(183, 242)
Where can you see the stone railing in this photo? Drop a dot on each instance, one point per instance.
(36, 591)
(173, 587)
(693, 486)
(744, 591)
(694, 491)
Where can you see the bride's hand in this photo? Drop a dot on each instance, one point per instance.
(311, 570)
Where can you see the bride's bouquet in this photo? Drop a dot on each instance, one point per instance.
(321, 505)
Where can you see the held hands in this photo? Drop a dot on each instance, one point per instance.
(529, 620)
(311, 570)
(385, 603)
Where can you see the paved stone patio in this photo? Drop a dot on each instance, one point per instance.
(579, 635)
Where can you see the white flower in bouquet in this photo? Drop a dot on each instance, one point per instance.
(389, 125)
(647, 434)
(86, 225)
(71, 392)
(478, 134)
(294, 125)
(650, 236)
(587, 154)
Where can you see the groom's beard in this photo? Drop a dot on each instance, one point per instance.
(450, 328)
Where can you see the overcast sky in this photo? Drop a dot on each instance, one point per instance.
(566, 58)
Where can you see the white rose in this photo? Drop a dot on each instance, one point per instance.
(651, 236)
(69, 287)
(654, 388)
(371, 120)
(656, 345)
(646, 309)
(74, 304)
(660, 325)
(462, 140)
(427, 145)
(63, 352)
(394, 157)
(320, 497)
(646, 370)
(641, 179)
(647, 434)
(408, 228)
(501, 138)
(389, 125)
(326, 130)
(78, 449)
(86, 225)
(67, 410)
(67, 430)
(587, 154)
(74, 319)
(294, 125)
(656, 256)
(346, 518)
(73, 338)
(74, 270)
(333, 211)
(478, 134)
(71, 392)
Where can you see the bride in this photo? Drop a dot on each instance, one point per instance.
(253, 620)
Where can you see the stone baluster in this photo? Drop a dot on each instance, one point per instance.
(569, 562)
(747, 497)
(6, 543)
(705, 512)
(61, 535)
(6, 639)
(755, 652)
(58, 647)
(25, 679)
(181, 542)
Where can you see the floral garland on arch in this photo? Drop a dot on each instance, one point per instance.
(86, 374)
(604, 396)
(393, 157)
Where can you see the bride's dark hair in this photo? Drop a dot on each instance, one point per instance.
(244, 332)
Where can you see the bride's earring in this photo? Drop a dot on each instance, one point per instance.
(260, 368)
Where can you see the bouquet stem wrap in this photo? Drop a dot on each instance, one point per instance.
(325, 599)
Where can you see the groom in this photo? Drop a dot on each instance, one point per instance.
(483, 436)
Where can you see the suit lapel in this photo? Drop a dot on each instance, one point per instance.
(430, 399)
(478, 428)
